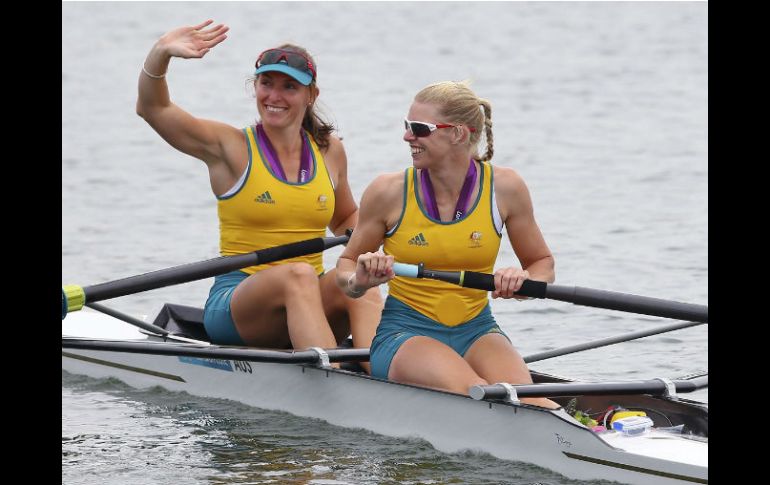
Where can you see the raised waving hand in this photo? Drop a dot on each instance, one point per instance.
(193, 41)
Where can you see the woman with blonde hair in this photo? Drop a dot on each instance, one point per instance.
(447, 211)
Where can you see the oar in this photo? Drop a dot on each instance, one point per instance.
(595, 344)
(128, 319)
(610, 300)
(74, 297)
(656, 387)
(217, 351)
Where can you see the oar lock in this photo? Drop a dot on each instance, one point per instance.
(670, 391)
(512, 396)
(502, 390)
(323, 357)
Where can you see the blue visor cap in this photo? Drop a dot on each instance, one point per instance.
(301, 77)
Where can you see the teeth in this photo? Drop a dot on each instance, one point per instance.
(274, 109)
(416, 150)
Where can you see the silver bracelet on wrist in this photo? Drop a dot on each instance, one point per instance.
(351, 290)
(154, 76)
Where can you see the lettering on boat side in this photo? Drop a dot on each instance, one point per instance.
(242, 366)
(213, 363)
(562, 441)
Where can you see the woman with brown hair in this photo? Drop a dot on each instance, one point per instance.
(279, 181)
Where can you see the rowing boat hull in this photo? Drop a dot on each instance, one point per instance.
(450, 422)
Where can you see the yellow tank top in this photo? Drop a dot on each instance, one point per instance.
(266, 211)
(470, 243)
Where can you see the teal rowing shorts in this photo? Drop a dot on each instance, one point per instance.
(400, 322)
(217, 318)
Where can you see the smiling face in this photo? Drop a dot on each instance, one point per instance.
(281, 99)
(436, 146)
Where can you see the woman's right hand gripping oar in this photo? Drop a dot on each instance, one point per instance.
(372, 269)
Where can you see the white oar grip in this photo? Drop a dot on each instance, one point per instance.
(408, 270)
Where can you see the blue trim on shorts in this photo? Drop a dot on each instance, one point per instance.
(217, 319)
(401, 322)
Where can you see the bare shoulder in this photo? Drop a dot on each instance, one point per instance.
(508, 181)
(233, 146)
(335, 144)
(387, 188)
(336, 161)
(383, 200)
(228, 134)
(511, 192)
(335, 152)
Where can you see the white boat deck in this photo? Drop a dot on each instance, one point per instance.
(660, 444)
(91, 324)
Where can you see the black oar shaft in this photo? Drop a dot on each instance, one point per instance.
(629, 303)
(217, 352)
(167, 277)
(653, 386)
(610, 300)
(206, 269)
(128, 319)
(595, 344)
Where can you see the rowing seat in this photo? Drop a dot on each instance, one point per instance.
(183, 320)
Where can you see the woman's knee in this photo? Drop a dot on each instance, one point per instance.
(300, 277)
(301, 270)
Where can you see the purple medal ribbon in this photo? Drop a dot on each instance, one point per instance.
(429, 197)
(275, 164)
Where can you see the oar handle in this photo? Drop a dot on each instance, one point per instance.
(467, 279)
(73, 297)
(484, 281)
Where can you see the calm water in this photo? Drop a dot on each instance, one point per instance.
(602, 107)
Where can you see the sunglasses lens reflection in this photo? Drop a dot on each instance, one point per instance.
(420, 129)
(417, 129)
(292, 59)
